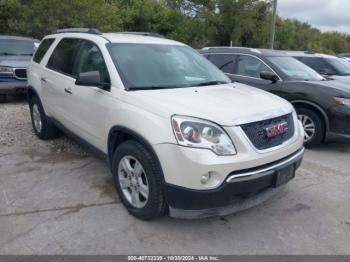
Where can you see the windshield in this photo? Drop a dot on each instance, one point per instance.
(152, 66)
(294, 69)
(342, 66)
(16, 47)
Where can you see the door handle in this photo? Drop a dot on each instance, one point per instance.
(43, 80)
(68, 90)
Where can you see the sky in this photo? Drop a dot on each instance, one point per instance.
(326, 15)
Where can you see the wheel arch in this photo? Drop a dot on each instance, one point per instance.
(31, 92)
(315, 107)
(119, 134)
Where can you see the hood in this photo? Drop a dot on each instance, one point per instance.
(343, 79)
(227, 105)
(15, 61)
(341, 83)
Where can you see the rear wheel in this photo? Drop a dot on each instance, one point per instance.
(43, 128)
(313, 126)
(139, 181)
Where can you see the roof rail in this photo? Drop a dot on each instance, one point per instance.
(225, 47)
(143, 33)
(232, 47)
(93, 31)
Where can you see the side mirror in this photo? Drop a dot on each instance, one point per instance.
(92, 78)
(266, 75)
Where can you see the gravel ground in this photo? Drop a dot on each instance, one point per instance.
(16, 129)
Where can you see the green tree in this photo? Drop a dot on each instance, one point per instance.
(196, 22)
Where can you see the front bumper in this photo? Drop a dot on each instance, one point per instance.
(340, 123)
(241, 190)
(13, 87)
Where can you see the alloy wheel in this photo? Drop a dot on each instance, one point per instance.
(36, 118)
(133, 181)
(308, 125)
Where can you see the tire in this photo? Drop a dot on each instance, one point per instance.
(41, 125)
(3, 98)
(149, 174)
(313, 126)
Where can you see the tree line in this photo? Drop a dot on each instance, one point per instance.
(196, 22)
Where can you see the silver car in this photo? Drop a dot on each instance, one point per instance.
(15, 55)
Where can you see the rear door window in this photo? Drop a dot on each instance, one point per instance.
(225, 62)
(42, 49)
(62, 58)
(250, 66)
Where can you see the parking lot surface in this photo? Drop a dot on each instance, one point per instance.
(55, 198)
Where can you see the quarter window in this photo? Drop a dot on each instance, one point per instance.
(62, 58)
(42, 49)
(89, 58)
(225, 62)
(250, 66)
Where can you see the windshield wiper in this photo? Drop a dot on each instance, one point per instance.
(212, 83)
(7, 53)
(26, 54)
(134, 88)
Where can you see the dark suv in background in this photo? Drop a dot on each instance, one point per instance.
(15, 55)
(323, 106)
(331, 67)
(345, 56)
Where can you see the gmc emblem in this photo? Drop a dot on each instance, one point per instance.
(276, 130)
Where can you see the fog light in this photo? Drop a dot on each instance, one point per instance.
(205, 178)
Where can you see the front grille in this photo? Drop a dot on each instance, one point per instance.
(257, 133)
(21, 73)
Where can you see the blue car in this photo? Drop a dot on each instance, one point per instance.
(15, 55)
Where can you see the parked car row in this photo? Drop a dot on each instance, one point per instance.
(180, 137)
(322, 103)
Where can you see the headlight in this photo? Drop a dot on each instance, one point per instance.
(342, 101)
(6, 70)
(198, 133)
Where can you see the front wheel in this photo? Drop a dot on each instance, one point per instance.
(313, 126)
(138, 180)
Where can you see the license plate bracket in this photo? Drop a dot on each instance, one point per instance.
(284, 175)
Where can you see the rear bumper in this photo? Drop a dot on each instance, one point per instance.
(241, 190)
(13, 87)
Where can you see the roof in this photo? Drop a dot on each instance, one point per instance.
(262, 52)
(308, 54)
(138, 38)
(244, 50)
(118, 37)
(344, 54)
(18, 38)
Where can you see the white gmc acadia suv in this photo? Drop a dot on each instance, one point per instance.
(179, 137)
